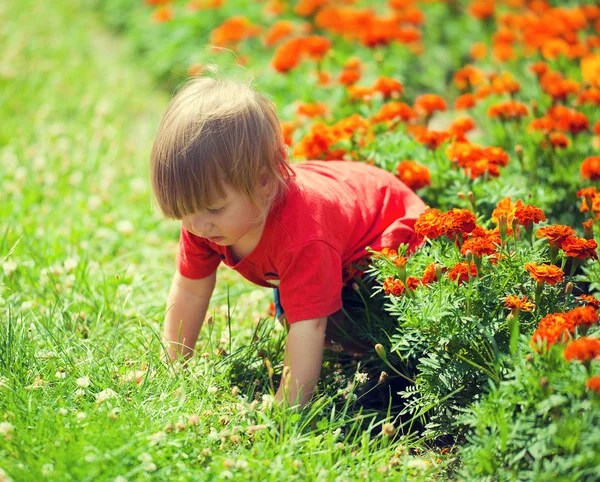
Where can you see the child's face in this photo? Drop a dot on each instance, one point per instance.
(227, 221)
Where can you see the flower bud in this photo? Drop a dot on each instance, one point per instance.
(380, 350)
(382, 378)
(519, 151)
(529, 357)
(471, 197)
(510, 318)
(569, 288)
(469, 257)
(461, 195)
(438, 271)
(355, 287)
(543, 382)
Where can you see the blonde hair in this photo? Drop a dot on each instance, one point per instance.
(217, 131)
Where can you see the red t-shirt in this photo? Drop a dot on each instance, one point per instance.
(331, 211)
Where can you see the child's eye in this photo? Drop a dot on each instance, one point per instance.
(216, 211)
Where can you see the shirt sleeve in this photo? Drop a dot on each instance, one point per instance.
(310, 281)
(195, 259)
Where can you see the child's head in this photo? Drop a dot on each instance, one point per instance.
(217, 135)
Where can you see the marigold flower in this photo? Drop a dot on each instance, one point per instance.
(584, 315)
(427, 104)
(459, 221)
(234, 30)
(431, 139)
(558, 140)
(465, 101)
(527, 214)
(590, 69)
(394, 111)
(582, 248)
(278, 31)
(583, 349)
(413, 282)
(555, 234)
(468, 76)
(590, 168)
(505, 209)
(590, 301)
(552, 328)
(414, 175)
(479, 246)
(316, 46)
(431, 224)
(508, 110)
(545, 273)
(393, 286)
(460, 272)
(515, 303)
(429, 275)
(400, 261)
(288, 55)
(316, 109)
(388, 87)
(593, 383)
(163, 14)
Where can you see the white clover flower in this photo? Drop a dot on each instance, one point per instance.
(212, 390)
(90, 458)
(360, 378)
(418, 464)
(94, 202)
(27, 305)
(56, 269)
(105, 394)
(60, 375)
(9, 267)
(226, 474)
(120, 478)
(4, 477)
(145, 457)
(149, 467)
(83, 382)
(157, 437)
(20, 174)
(76, 178)
(80, 392)
(39, 162)
(242, 464)
(6, 428)
(125, 227)
(47, 470)
(81, 416)
(63, 411)
(70, 264)
(137, 185)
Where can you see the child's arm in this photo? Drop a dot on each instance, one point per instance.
(304, 357)
(187, 304)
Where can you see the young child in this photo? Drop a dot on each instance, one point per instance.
(219, 165)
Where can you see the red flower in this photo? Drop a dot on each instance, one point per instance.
(545, 273)
(460, 272)
(583, 349)
(580, 247)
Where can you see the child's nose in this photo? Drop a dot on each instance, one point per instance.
(201, 226)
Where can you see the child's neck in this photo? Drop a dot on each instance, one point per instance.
(244, 246)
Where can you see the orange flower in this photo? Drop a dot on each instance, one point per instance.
(163, 14)
(583, 349)
(429, 138)
(545, 273)
(278, 31)
(431, 224)
(316, 46)
(593, 383)
(349, 77)
(590, 69)
(558, 140)
(414, 175)
(304, 8)
(389, 252)
(400, 261)
(516, 304)
(394, 111)
(590, 301)
(528, 214)
(479, 246)
(288, 55)
(413, 282)
(584, 315)
(459, 221)
(478, 51)
(508, 110)
(288, 129)
(317, 109)
(393, 286)
(582, 248)
(427, 104)
(552, 328)
(233, 30)
(388, 87)
(555, 234)
(460, 272)
(430, 275)
(505, 209)
(468, 76)
(590, 168)
(465, 101)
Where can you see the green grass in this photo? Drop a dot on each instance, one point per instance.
(85, 266)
